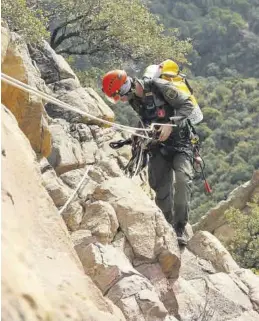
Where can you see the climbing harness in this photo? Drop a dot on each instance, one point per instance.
(140, 148)
(139, 157)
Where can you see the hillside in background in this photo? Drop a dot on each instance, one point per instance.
(229, 135)
(225, 33)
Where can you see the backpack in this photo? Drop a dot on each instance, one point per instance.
(170, 71)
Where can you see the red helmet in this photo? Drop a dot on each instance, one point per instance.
(112, 83)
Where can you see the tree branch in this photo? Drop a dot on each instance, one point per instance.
(78, 34)
(78, 52)
(64, 24)
(85, 14)
(64, 36)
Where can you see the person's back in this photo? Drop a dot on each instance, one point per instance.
(169, 70)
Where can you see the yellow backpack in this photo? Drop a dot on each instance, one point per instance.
(169, 70)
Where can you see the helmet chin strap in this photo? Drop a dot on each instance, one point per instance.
(125, 88)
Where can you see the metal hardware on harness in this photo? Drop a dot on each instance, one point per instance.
(140, 149)
(139, 158)
(159, 124)
(120, 143)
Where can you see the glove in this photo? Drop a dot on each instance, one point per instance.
(165, 131)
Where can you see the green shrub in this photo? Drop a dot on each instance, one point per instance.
(26, 21)
(244, 246)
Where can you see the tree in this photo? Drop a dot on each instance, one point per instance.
(244, 246)
(25, 20)
(111, 29)
(212, 117)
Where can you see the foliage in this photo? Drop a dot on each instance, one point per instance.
(111, 30)
(224, 33)
(102, 30)
(229, 135)
(125, 114)
(90, 77)
(244, 246)
(28, 22)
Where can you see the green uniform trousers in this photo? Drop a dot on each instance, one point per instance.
(171, 180)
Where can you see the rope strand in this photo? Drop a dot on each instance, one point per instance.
(75, 191)
(25, 87)
(18, 84)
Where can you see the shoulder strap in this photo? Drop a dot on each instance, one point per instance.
(148, 94)
(188, 85)
(191, 126)
(147, 84)
(186, 82)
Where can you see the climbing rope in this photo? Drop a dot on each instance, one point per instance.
(132, 130)
(75, 191)
(18, 84)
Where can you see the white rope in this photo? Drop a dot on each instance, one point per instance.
(75, 191)
(141, 152)
(139, 161)
(16, 83)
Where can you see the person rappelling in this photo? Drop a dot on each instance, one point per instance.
(163, 97)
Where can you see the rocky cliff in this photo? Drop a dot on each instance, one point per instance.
(215, 221)
(107, 253)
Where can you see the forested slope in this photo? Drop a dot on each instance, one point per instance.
(224, 33)
(229, 135)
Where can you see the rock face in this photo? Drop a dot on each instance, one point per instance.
(126, 263)
(70, 152)
(53, 67)
(100, 218)
(42, 277)
(208, 247)
(65, 86)
(214, 221)
(5, 39)
(27, 108)
(157, 241)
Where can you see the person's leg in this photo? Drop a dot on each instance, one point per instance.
(160, 176)
(183, 178)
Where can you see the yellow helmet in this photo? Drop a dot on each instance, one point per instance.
(169, 68)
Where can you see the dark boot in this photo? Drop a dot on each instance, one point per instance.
(181, 236)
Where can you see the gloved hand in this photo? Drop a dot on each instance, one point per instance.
(165, 131)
